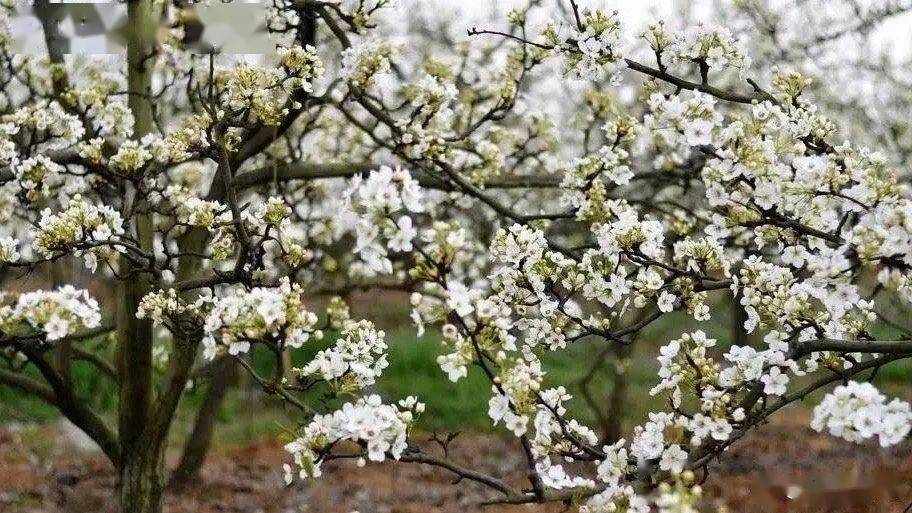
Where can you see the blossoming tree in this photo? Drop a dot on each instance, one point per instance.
(854, 74)
(225, 198)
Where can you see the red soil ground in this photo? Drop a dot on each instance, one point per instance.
(782, 468)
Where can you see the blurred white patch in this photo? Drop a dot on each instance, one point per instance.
(75, 437)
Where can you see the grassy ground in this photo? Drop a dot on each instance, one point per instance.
(248, 414)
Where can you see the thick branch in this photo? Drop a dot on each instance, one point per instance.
(74, 409)
(28, 385)
(103, 365)
(313, 171)
(858, 346)
(301, 171)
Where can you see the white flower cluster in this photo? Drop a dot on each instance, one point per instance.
(58, 129)
(858, 411)
(366, 62)
(8, 151)
(37, 176)
(265, 92)
(584, 179)
(679, 497)
(616, 499)
(193, 211)
(355, 361)
(253, 88)
(58, 313)
(592, 52)
(421, 131)
(164, 305)
(520, 246)
(674, 364)
(187, 136)
(114, 117)
(666, 437)
(515, 399)
(94, 87)
(649, 441)
(382, 429)
(302, 64)
(9, 250)
(377, 209)
(132, 156)
(714, 46)
(679, 122)
(628, 232)
(553, 436)
(79, 223)
(272, 219)
(259, 315)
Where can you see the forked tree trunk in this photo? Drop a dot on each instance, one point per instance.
(143, 429)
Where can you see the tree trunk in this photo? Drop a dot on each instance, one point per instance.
(617, 402)
(140, 482)
(739, 336)
(197, 445)
(140, 468)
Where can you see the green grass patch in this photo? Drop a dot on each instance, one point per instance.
(247, 413)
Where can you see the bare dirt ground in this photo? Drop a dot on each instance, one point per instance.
(784, 468)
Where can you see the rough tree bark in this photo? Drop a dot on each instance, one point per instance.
(140, 470)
